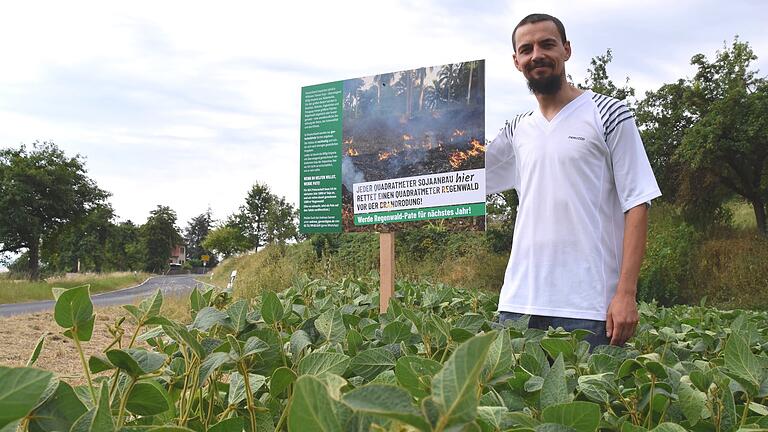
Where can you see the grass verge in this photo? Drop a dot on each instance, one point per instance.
(17, 291)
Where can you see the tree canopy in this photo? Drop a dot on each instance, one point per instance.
(41, 190)
(708, 135)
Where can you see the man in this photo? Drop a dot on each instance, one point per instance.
(584, 185)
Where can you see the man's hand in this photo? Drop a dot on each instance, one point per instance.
(622, 318)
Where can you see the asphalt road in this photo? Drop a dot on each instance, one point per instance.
(171, 285)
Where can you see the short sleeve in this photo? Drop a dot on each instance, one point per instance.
(633, 176)
(501, 171)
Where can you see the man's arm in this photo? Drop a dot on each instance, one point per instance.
(622, 316)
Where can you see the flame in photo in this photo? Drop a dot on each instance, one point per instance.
(477, 148)
(458, 133)
(383, 155)
(351, 150)
(457, 158)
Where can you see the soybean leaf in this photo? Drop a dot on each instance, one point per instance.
(415, 374)
(579, 415)
(372, 362)
(454, 388)
(742, 364)
(692, 402)
(312, 409)
(534, 384)
(97, 419)
(354, 341)
(334, 384)
(180, 334)
(330, 324)
(148, 308)
(319, 362)
(148, 398)
(627, 367)
(396, 332)
(282, 377)
(553, 427)
(97, 363)
(492, 417)
(554, 390)
(136, 362)
(237, 386)
(271, 308)
(602, 363)
(668, 427)
(299, 340)
(36, 352)
(386, 401)
(500, 359)
(556, 346)
(196, 301)
(20, 389)
(212, 363)
(208, 317)
(59, 412)
(238, 312)
(74, 311)
(234, 424)
(254, 345)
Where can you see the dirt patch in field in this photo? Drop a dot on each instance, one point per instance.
(19, 335)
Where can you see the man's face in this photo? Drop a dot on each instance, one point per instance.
(541, 55)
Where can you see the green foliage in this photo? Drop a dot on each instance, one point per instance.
(598, 81)
(668, 257)
(197, 230)
(159, 235)
(226, 241)
(706, 136)
(319, 356)
(265, 218)
(41, 190)
(22, 387)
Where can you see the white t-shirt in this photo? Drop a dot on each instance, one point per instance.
(575, 176)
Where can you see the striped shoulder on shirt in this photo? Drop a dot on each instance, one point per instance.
(510, 126)
(613, 112)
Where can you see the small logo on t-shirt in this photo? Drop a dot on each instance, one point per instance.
(578, 138)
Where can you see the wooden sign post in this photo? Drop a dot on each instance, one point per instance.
(386, 269)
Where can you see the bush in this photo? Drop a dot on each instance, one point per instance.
(667, 263)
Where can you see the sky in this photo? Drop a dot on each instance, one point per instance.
(188, 104)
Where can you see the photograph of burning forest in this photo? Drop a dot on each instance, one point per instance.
(410, 124)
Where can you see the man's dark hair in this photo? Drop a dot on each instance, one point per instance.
(539, 17)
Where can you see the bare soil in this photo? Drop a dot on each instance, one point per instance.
(19, 335)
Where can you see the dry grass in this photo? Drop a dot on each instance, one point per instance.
(16, 291)
(731, 271)
(20, 335)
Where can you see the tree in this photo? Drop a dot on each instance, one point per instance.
(125, 249)
(281, 221)
(80, 245)
(723, 138)
(598, 80)
(226, 241)
(41, 189)
(197, 230)
(265, 218)
(159, 236)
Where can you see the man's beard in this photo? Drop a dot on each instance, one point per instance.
(548, 85)
(545, 86)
